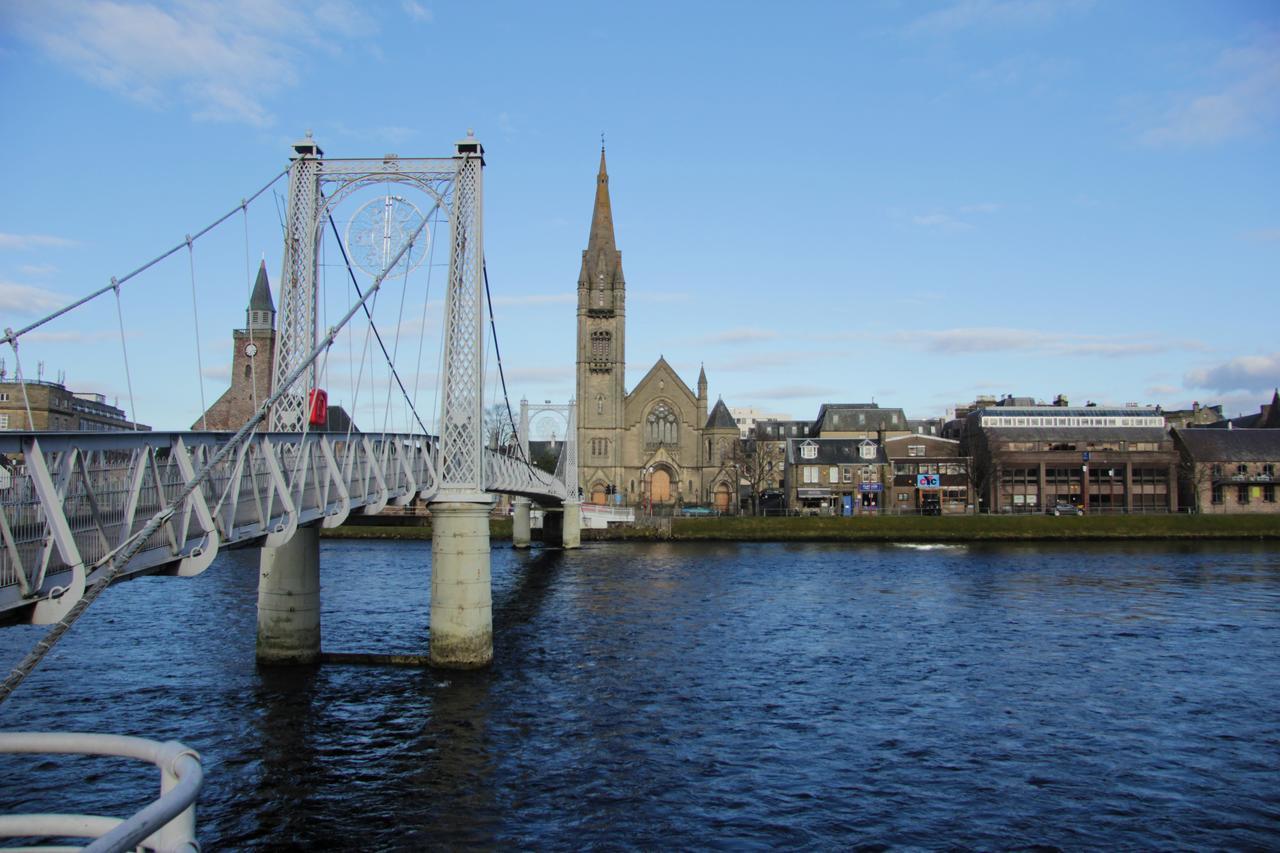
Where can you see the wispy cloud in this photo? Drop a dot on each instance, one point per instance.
(417, 12)
(1245, 373)
(225, 61)
(24, 299)
(742, 335)
(220, 373)
(1243, 102)
(77, 337)
(1264, 235)
(788, 392)
(1033, 341)
(960, 220)
(37, 269)
(993, 14)
(34, 241)
(536, 299)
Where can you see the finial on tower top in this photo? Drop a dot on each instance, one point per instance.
(602, 140)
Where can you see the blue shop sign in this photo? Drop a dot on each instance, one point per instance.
(928, 481)
(870, 487)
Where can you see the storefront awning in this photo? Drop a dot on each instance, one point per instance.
(813, 493)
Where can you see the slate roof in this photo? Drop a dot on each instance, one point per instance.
(260, 300)
(834, 451)
(720, 417)
(843, 417)
(1231, 445)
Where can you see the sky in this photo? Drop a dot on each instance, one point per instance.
(914, 203)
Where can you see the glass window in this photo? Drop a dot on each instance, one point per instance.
(1242, 495)
(808, 451)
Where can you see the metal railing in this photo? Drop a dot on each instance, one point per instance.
(167, 824)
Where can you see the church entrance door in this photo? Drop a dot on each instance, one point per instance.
(598, 496)
(722, 497)
(660, 486)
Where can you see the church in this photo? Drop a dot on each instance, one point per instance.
(656, 444)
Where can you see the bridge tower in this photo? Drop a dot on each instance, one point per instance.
(461, 606)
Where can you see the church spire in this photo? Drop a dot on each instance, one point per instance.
(601, 240)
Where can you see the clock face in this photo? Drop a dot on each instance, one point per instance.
(251, 350)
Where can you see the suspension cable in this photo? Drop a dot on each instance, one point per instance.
(121, 557)
(195, 321)
(10, 335)
(124, 351)
(498, 355)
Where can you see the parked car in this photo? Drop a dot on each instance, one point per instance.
(698, 510)
(1065, 508)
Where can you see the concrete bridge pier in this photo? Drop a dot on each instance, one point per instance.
(461, 597)
(289, 600)
(521, 523)
(562, 526)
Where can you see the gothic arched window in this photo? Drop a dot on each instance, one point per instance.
(661, 427)
(601, 350)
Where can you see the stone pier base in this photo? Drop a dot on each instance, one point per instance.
(289, 600)
(521, 525)
(461, 596)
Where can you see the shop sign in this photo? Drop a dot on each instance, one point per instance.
(870, 487)
(928, 481)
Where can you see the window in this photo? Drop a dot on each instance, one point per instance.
(1217, 469)
(601, 350)
(811, 473)
(1217, 498)
(1269, 469)
(1242, 495)
(661, 427)
(867, 450)
(1269, 494)
(915, 450)
(833, 476)
(599, 404)
(599, 447)
(4, 421)
(846, 474)
(4, 396)
(1242, 469)
(808, 450)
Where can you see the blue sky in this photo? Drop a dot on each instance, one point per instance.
(911, 202)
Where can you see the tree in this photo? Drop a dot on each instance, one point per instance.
(498, 429)
(758, 466)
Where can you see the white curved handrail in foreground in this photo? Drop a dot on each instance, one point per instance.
(168, 824)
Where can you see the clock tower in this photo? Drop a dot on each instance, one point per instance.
(252, 362)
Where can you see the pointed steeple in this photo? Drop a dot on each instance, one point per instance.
(1271, 417)
(601, 262)
(702, 382)
(261, 313)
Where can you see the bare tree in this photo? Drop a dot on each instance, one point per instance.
(499, 432)
(758, 466)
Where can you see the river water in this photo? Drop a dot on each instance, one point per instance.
(701, 695)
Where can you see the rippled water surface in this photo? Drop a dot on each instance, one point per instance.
(651, 695)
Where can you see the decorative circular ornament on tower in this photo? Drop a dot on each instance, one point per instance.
(251, 349)
(378, 230)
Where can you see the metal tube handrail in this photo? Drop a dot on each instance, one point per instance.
(168, 823)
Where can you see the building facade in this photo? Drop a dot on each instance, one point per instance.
(1230, 470)
(930, 477)
(54, 408)
(835, 476)
(1031, 458)
(656, 444)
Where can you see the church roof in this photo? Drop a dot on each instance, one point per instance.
(1231, 445)
(602, 257)
(261, 298)
(720, 418)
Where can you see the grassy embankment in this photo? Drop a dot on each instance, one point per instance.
(901, 528)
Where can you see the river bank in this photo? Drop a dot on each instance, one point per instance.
(888, 529)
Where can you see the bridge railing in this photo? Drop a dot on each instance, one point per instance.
(509, 473)
(68, 500)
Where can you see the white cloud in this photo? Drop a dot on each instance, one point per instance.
(24, 299)
(1034, 342)
(1246, 373)
(77, 337)
(1243, 103)
(536, 299)
(417, 11)
(788, 392)
(226, 61)
(987, 14)
(37, 269)
(221, 372)
(744, 335)
(34, 241)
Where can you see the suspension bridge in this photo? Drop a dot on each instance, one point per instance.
(79, 510)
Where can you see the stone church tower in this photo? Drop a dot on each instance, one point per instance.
(601, 389)
(657, 444)
(252, 362)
